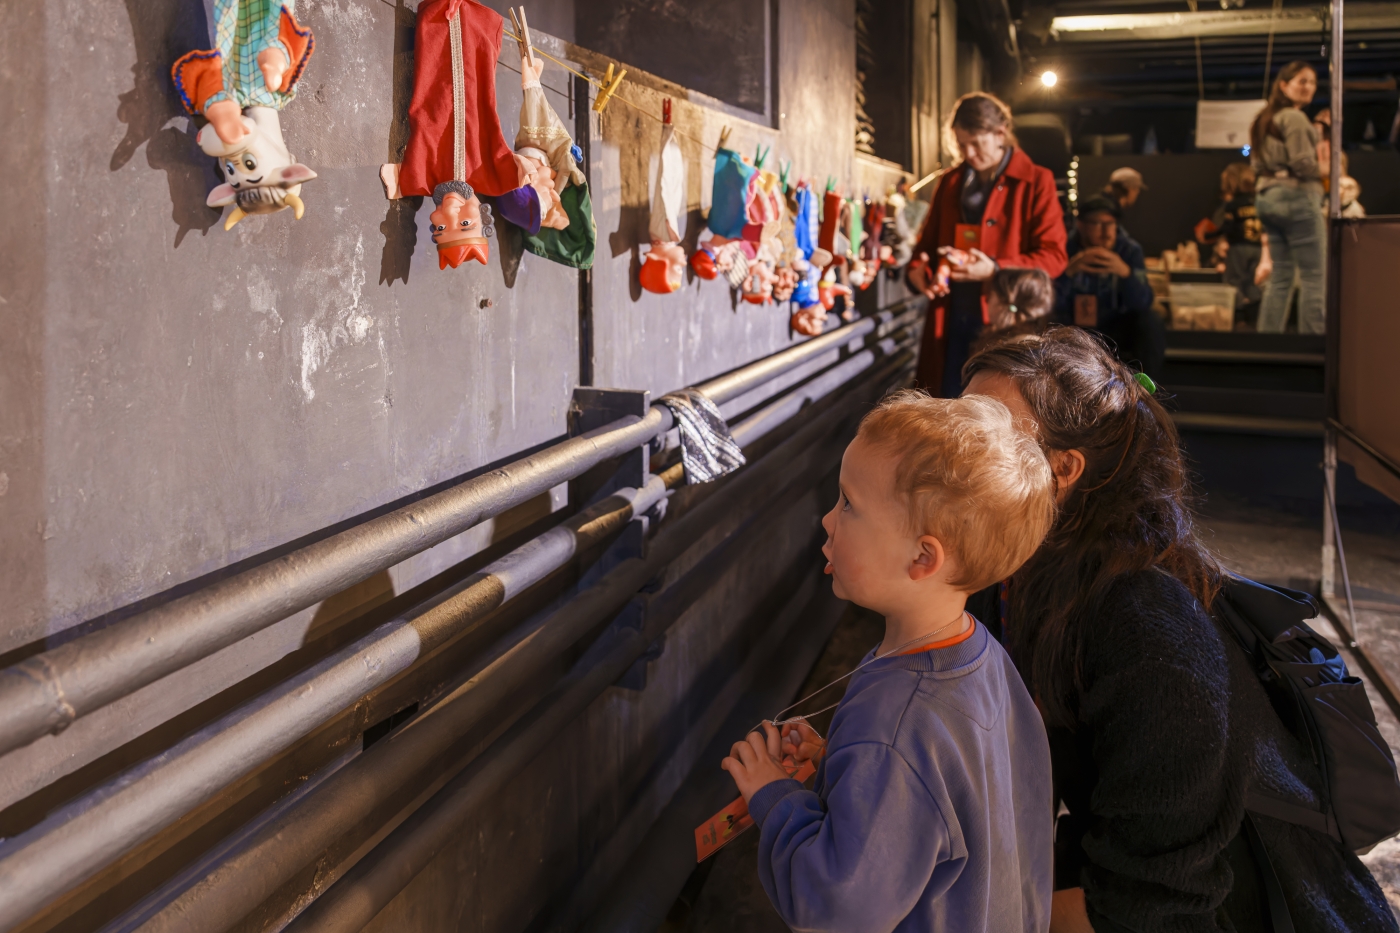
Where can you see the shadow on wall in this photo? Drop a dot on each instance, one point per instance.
(400, 228)
(162, 31)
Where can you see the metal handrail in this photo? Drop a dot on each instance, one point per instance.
(96, 828)
(45, 693)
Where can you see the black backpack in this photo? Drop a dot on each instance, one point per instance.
(1328, 711)
(1323, 706)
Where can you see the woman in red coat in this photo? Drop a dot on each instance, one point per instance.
(1001, 209)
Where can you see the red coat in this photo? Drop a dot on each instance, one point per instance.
(427, 161)
(1022, 226)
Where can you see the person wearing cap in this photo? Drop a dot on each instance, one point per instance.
(1124, 186)
(1104, 288)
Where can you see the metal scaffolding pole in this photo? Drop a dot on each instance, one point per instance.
(1330, 532)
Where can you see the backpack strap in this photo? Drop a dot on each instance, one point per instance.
(1290, 812)
(1280, 920)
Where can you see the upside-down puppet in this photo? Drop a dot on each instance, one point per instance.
(240, 87)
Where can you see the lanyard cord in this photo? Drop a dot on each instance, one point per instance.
(878, 657)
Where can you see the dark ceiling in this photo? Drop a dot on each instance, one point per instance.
(1130, 86)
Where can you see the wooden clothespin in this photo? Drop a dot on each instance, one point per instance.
(522, 33)
(723, 138)
(666, 111)
(611, 82)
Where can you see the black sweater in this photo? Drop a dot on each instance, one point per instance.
(1173, 726)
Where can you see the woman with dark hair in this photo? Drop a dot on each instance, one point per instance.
(1283, 152)
(994, 208)
(1158, 724)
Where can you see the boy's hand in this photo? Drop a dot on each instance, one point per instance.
(754, 763)
(801, 743)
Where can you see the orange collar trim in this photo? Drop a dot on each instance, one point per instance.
(945, 643)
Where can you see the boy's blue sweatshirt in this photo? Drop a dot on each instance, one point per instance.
(933, 806)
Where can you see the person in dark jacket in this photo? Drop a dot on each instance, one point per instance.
(1158, 725)
(1105, 287)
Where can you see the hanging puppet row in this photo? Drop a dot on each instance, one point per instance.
(772, 241)
(768, 237)
(456, 152)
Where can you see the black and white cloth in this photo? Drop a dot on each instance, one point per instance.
(708, 450)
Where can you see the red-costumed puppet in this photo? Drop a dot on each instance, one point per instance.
(456, 150)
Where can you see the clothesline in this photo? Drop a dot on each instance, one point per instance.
(616, 96)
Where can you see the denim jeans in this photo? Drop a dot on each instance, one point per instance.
(1297, 231)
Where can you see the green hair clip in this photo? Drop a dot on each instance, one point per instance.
(1146, 382)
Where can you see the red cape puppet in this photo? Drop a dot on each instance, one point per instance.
(490, 166)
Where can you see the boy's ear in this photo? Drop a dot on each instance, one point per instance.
(930, 559)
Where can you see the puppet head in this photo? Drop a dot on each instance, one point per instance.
(785, 282)
(459, 225)
(703, 262)
(810, 320)
(260, 175)
(535, 172)
(663, 270)
(758, 286)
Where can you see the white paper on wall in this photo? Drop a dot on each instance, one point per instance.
(1224, 124)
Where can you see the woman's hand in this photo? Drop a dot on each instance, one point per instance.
(1068, 913)
(924, 280)
(1263, 270)
(755, 763)
(801, 743)
(977, 268)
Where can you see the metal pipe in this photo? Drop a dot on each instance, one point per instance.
(275, 855)
(1334, 268)
(732, 385)
(75, 842)
(376, 879)
(1337, 82)
(45, 693)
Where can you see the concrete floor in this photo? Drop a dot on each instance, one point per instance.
(1273, 545)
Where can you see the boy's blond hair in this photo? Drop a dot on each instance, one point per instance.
(969, 478)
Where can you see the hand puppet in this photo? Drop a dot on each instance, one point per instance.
(663, 270)
(240, 87)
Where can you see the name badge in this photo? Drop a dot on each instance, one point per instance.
(722, 828)
(967, 236)
(1086, 310)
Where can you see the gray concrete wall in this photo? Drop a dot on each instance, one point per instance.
(176, 399)
(179, 398)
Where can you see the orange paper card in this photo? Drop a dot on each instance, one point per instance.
(717, 832)
(1086, 310)
(967, 236)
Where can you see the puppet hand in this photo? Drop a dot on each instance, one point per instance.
(801, 743)
(274, 65)
(979, 269)
(754, 763)
(530, 71)
(227, 119)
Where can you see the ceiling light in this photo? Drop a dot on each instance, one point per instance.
(1049, 78)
